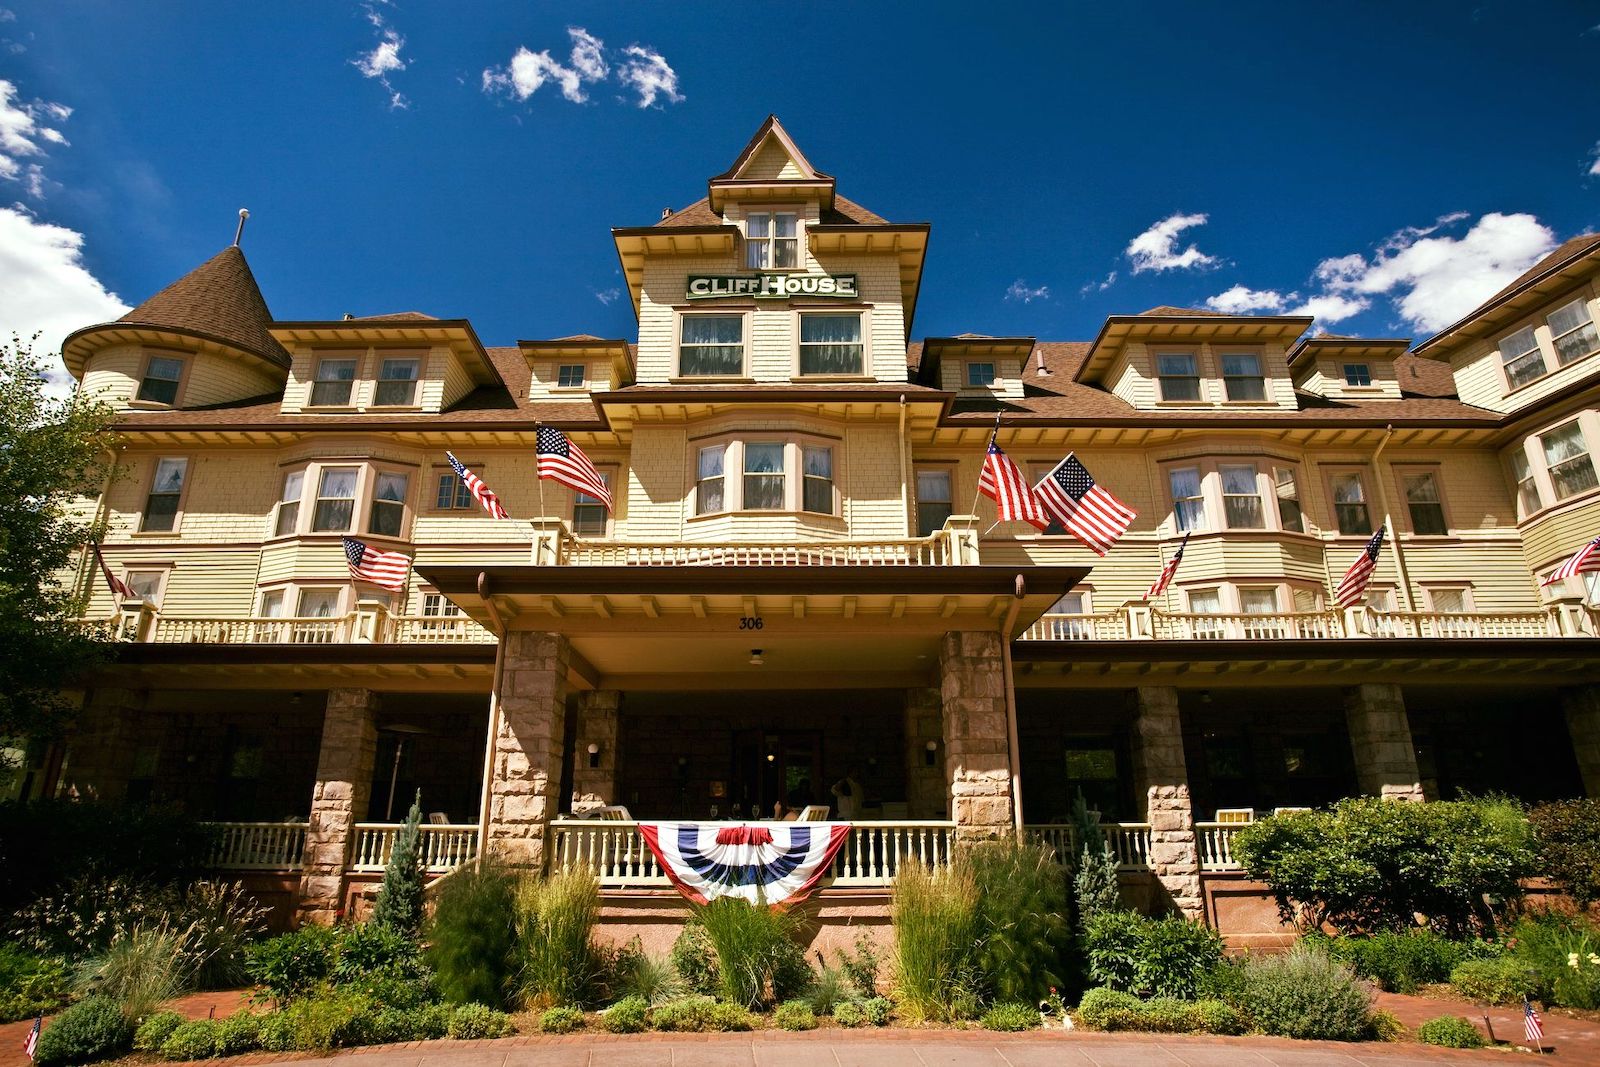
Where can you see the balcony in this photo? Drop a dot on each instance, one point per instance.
(1138, 621)
(955, 545)
(368, 625)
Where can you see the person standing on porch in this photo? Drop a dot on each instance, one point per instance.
(848, 795)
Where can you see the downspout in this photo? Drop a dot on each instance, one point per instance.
(1388, 521)
(905, 470)
(497, 625)
(1012, 741)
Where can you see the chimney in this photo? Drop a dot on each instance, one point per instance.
(665, 212)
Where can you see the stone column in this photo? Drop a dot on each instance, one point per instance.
(1380, 738)
(101, 750)
(1162, 776)
(594, 778)
(339, 800)
(977, 756)
(925, 779)
(1582, 708)
(527, 746)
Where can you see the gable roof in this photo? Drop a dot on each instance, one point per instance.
(842, 213)
(772, 128)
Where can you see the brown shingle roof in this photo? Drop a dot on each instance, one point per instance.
(1570, 249)
(397, 316)
(218, 299)
(843, 213)
(1165, 310)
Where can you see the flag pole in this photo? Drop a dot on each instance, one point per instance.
(978, 492)
(538, 530)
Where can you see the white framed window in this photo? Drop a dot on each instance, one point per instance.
(1528, 498)
(772, 240)
(271, 604)
(334, 383)
(318, 602)
(387, 516)
(935, 501)
(1566, 457)
(336, 500)
(830, 343)
(437, 606)
(1520, 355)
(1358, 375)
(288, 517)
(1188, 498)
(162, 375)
(1423, 503)
(1448, 598)
(161, 505)
(1073, 603)
(1242, 378)
(147, 586)
(453, 494)
(397, 383)
(764, 481)
(1206, 601)
(816, 488)
(711, 346)
(1258, 599)
(1350, 509)
(978, 375)
(571, 375)
(709, 486)
(589, 516)
(1177, 375)
(1287, 490)
(1380, 598)
(1241, 496)
(1572, 332)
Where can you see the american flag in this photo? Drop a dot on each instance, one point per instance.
(1586, 558)
(1532, 1025)
(564, 462)
(1090, 513)
(387, 569)
(480, 492)
(1003, 483)
(119, 588)
(31, 1042)
(1164, 579)
(1354, 583)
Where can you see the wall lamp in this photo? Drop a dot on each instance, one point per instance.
(594, 754)
(929, 751)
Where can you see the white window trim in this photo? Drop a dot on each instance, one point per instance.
(1194, 353)
(367, 471)
(1431, 589)
(863, 313)
(679, 315)
(1213, 499)
(149, 488)
(799, 213)
(1400, 472)
(555, 378)
(184, 361)
(1588, 424)
(379, 358)
(609, 472)
(733, 474)
(1335, 470)
(1221, 354)
(163, 571)
(949, 468)
(319, 356)
(1589, 308)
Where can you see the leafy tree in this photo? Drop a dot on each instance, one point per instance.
(54, 454)
(399, 905)
(1567, 834)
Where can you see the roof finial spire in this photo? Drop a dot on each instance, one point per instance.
(244, 213)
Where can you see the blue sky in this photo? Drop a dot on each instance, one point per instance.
(1075, 160)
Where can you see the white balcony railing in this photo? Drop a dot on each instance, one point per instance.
(170, 629)
(1129, 841)
(444, 847)
(257, 846)
(435, 630)
(1215, 842)
(941, 549)
(1448, 624)
(1107, 626)
(1276, 627)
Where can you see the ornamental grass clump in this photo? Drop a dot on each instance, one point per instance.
(140, 970)
(1022, 919)
(758, 961)
(556, 961)
(935, 917)
(472, 934)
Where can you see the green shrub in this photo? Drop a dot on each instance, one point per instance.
(238, 1034)
(794, 1015)
(850, 1014)
(1563, 951)
(472, 934)
(758, 960)
(1386, 1026)
(629, 1015)
(935, 920)
(155, 1030)
(1022, 918)
(879, 1010)
(290, 966)
(1010, 1016)
(652, 978)
(197, 1039)
(694, 957)
(277, 1032)
(333, 1018)
(830, 988)
(1506, 980)
(1225, 981)
(1400, 962)
(90, 1030)
(1367, 864)
(555, 920)
(30, 984)
(729, 1018)
(561, 1020)
(1218, 1017)
(140, 970)
(400, 905)
(1303, 993)
(390, 1026)
(1566, 834)
(686, 1014)
(861, 965)
(471, 1022)
(1095, 888)
(430, 1021)
(1450, 1031)
(1109, 1009)
(1167, 957)
(371, 949)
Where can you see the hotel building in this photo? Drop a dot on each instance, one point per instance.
(799, 580)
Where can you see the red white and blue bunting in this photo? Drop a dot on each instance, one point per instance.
(772, 863)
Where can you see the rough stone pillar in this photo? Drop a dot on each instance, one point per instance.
(977, 755)
(1161, 774)
(925, 779)
(527, 746)
(339, 799)
(594, 778)
(101, 750)
(1582, 708)
(1380, 738)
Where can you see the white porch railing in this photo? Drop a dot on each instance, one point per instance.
(938, 550)
(444, 847)
(1129, 841)
(1215, 842)
(257, 846)
(436, 630)
(1463, 624)
(1107, 626)
(169, 629)
(1275, 627)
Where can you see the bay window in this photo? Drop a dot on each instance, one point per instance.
(1527, 487)
(771, 240)
(1188, 501)
(1421, 488)
(289, 504)
(1177, 375)
(708, 486)
(388, 513)
(318, 603)
(160, 382)
(1350, 503)
(830, 343)
(1566, 454)
(1242, 378)
(711, 346)
(336, 500)
(1258, 600)
(935, 502)
(1287, 490)
(816, 491)
(397, 383)
(1520, 355)
(763, 476)
(1572, 331)
(1241, 496)
(334, 382)
(166, 491)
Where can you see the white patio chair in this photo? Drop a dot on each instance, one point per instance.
(1236, 815)
(813, 813)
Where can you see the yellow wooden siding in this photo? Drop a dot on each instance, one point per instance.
(1132, 375)
(770, 162)
(1007, 377)
(1477, 367)
(113, 376)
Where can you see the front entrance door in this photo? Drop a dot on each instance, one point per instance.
(772, 766)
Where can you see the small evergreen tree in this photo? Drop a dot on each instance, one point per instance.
(399, 905)
(1094, 882)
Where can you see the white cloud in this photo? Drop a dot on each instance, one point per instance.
(23, 134)
(1100, 286)
(588, 54)
(1241, 300)
(1594, 159)
(528, 70)
(647, 73)
(48, 289)
(1020, 290)
(384, 58)
(1156, 248)
(1328, 308)
(608, 296)
(1434, 279)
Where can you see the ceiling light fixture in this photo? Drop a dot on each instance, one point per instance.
(755, 657)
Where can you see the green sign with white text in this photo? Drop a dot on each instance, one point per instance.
(770, 286)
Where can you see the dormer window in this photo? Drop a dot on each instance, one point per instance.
(830, 344)
(1176, 373)
(397, 383)
(160, 383)
(570, 375)
(979, 375)
(1523, 361)
(1358, 375)
(1572, 329)
(334, 382)
(771, 240)
(1242, 378)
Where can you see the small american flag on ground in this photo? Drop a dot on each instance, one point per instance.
(1532, 1025)
(387, 569)
(480, 492)
(1586, 558)
(119, 588)
(1089, 513)
(1354, 583)
(1003, 483)
(31, 1042)
(1164, 579)
(562, 461)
